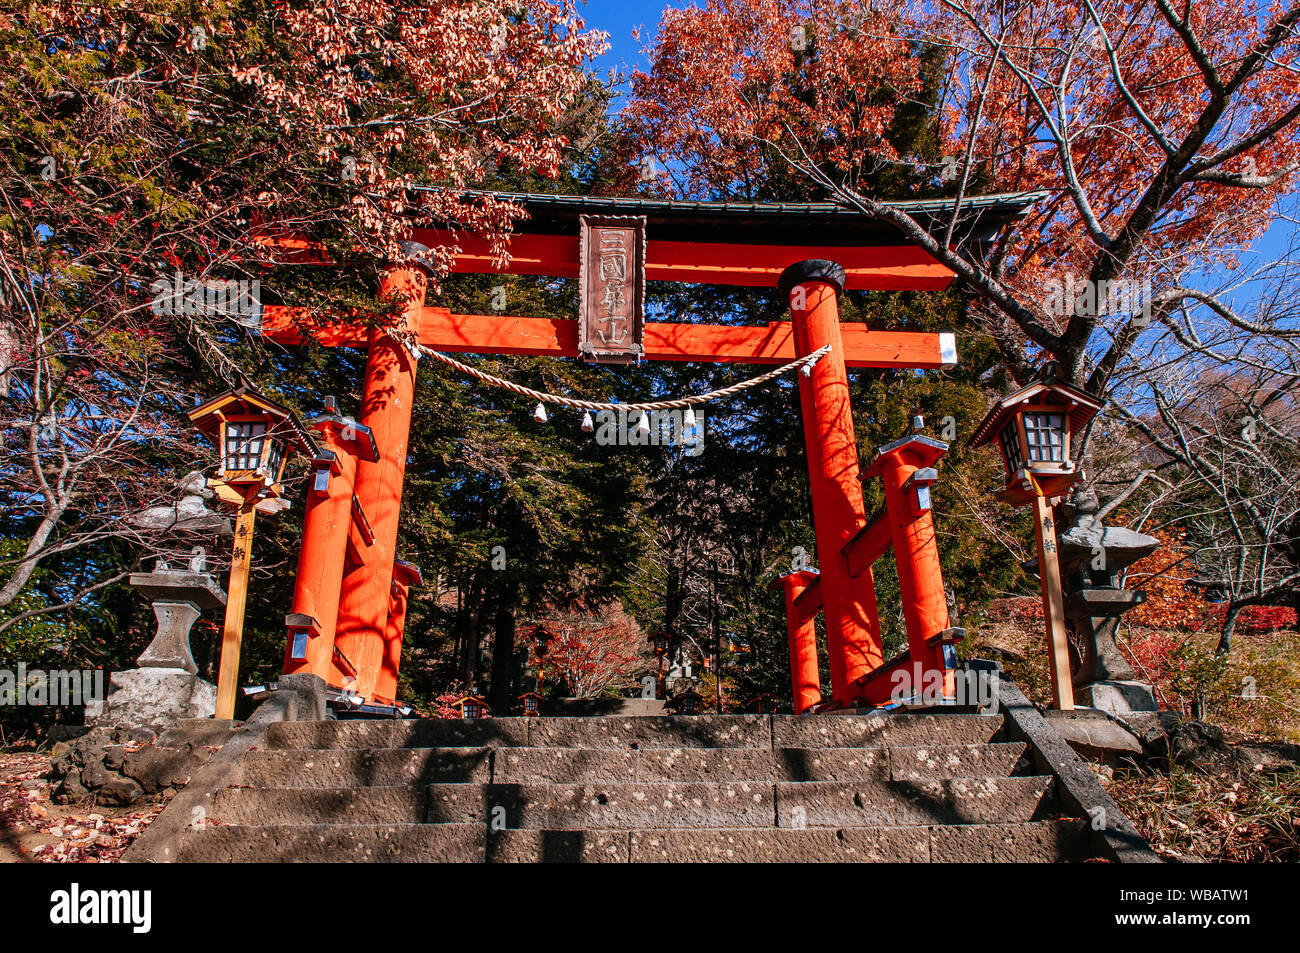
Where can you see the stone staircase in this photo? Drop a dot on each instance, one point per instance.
(860, 787)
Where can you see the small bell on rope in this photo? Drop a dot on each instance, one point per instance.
(539, 414)
(643, 425)
(587, 425)
(688, 419)
(806, 369)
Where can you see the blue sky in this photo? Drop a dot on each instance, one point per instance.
(618, 18)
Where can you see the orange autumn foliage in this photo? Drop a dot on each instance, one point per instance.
(1165, 577)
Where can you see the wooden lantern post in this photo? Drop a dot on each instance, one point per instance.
(1049, 578)
(232, 635)
(659, 639)
(254, 437)
(1034, 426)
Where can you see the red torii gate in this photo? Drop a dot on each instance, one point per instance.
(350, 597)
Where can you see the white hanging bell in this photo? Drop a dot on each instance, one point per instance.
(688, 419)
(539, 414)
(643, 425)
(587, 425)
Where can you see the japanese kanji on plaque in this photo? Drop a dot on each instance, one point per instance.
(612, 317)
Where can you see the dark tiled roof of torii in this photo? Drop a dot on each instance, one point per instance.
(784, 223)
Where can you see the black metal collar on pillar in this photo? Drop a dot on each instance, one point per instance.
(812, 269)
(413, 253)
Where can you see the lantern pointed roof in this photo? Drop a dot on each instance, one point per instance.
(243, 400)
(1080, 406)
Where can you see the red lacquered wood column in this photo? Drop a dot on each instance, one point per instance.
(852, 633)
(322, 558)
(386, 409)
(805, 675)
(916, 550)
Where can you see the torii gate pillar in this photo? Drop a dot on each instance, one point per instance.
(363, 624)
(849, 604)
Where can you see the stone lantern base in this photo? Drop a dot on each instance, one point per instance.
(165, 688)
(153, 698)
(1116, 697)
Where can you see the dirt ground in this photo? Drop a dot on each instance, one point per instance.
(34, 829)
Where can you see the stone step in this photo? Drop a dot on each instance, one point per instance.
(422, 733)
(874, 731)
(920, 802)
(560, 806)
(352, 843)
(1051, 841)
(690, 731)
(680, 731)
(866, 803)
(594, 765)
(1036, 841)
(364, 767)
(348, 767)
(398, 804)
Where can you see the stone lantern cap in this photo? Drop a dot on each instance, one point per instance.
(189, 517)
(1122, 547)
(197, 588)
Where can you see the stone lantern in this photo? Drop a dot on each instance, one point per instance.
(1092, 556)
(165, 687)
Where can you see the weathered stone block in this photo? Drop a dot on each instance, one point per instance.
(153, 698)
(1117, 697)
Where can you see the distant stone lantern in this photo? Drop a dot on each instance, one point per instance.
(531, 703)
(254, 436)
(1035, 427)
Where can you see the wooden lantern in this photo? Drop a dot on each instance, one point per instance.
(472, 707)
(687, 702)
(254, 437)
(1035, 428)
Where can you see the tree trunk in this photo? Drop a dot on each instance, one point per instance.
(468, 640)
(1229, 623)
(503, 651)
(31, 555)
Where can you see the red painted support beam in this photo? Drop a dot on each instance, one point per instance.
(869, 545)
(327, 524)
(916, 550)
(405, 575)
(363, 630)
(867, 268)
(441, 330)
(805, 675)
(852, 632)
